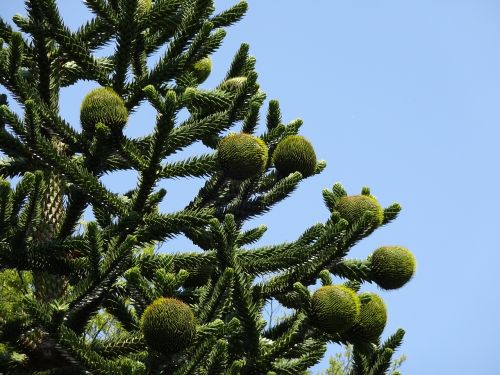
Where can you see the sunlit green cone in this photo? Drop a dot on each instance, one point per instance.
(334, 308)
(353, 207)
(392, 266)
(242, 156)
(233, 84)
(294, 154)
(103, 105)
(168, 325)
(202, 69)
(143, 6)
(372, 319)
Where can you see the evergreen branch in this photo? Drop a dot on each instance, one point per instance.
(206, 102)
(391, 213)
(94, 249)
(382, 363)
(73, 47)
(84, 355)
(134, 158)
(138, 289)
(163, 19)
(273, 115)
(59, 126)
(193, 362)
(257, 206)
(116, 304)
(217, 359)
(102, 9)
(286, 255)
(287, 340)
(251, 118)
(360, 365)
(307, 346)
(6, 206)
(239, 64)
(126, 32)
(39, 12)
(120, 345)
(193, 130)
(194, 16)
(307, 272)
(90, 296)
(149, 176)
(212, 299)
(230, 16)
(208, 193)
(158, 227)
(139, 62)
(275, 332)
(250, 236)
(30, 215)
(13, 120)
(12, 146)
(196, 166)
(14, 167)
(23, 188)
(95, 33)
(5, 31)
(77, 174)
(15, 55)
(352, 269)
(247, 311)
(394, 341)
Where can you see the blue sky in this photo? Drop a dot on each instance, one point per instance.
(401, 96)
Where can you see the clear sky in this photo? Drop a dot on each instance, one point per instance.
(401, 96)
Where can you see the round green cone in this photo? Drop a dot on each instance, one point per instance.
(202, 69)
(353, 207)
(168, 325)
(105, 106)
(144, 6)
(392, 266)
(372, 319)
(233, 84)
(334, 308)
(294, 154)
(242, 156)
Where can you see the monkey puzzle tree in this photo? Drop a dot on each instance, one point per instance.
(104, 300)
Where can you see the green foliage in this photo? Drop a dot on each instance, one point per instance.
(168, 325)
(371, 321)
(242, 156)
(392, 266)
(294, 154)
(105, 106)
(100, 298)
(335, 308)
